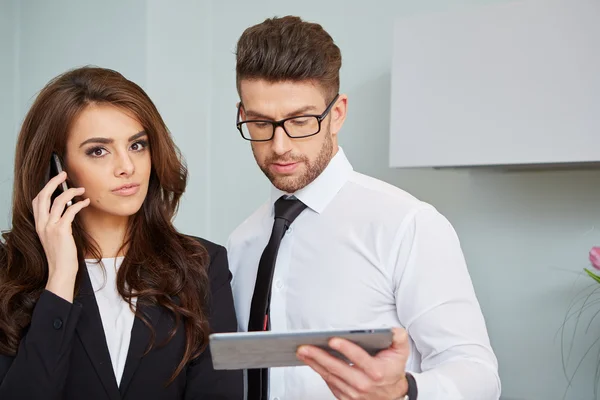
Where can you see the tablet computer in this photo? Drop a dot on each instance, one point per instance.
(241, 350)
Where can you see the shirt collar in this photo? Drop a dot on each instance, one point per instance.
(319, 193)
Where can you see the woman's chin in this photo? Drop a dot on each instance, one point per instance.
(116, 211)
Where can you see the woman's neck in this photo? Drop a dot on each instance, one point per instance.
(108, 231)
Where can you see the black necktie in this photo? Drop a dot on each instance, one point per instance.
(286, 212)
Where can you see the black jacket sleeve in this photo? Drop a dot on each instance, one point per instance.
(40, 368)
(203, 381)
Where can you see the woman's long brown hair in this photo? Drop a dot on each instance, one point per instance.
(161, 265)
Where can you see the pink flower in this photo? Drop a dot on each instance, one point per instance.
(595, 257)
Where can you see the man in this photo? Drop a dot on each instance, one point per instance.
(356, 252)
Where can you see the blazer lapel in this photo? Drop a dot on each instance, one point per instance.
(140, 339)
(92, 336)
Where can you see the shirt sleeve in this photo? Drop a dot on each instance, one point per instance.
(41, 365)
(437, 305)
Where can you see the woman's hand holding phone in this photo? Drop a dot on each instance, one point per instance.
(53, 226)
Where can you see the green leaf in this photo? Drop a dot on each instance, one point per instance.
(593, 275)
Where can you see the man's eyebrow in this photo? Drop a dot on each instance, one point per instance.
(296, 113)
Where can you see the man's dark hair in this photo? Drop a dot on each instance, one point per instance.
(289, 49)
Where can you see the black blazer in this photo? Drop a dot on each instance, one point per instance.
(64, 355)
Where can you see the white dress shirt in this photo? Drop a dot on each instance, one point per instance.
(117, 317)
(366, 254)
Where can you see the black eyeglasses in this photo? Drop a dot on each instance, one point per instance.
(300, 126)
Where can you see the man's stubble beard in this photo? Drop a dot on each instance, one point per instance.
(312, 170)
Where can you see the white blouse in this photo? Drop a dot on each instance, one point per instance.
(117, 317)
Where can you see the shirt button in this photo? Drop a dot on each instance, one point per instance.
(57, 323)
(278, 285)
(275, 398)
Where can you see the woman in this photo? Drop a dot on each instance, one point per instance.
(104, 299)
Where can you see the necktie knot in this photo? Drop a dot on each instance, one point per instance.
(288, 209)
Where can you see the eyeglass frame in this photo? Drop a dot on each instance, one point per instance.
(281, 122)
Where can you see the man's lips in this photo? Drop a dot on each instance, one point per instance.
(284, 167)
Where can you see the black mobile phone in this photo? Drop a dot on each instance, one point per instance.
(56, 168)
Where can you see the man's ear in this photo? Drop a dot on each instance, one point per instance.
(338, 113)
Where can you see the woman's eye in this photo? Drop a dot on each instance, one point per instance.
(139, 146)
(96, 152)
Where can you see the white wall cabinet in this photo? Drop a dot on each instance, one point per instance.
(515, 83)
